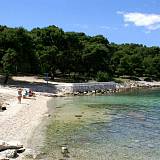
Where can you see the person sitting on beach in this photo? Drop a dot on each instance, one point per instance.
(19, 95)
(31, 93)
(25, 93)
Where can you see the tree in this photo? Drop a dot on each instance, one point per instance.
(124, 68)
(136, 64)
(48, 58)
(96, 57)
(69, 58)
(25, 48)
(50, 48)
(8, 62)
(99, 39)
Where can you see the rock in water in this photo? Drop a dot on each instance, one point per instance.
(78, 115)
(28, 153)
(64, 151)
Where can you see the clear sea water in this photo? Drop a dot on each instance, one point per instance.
(124, 126)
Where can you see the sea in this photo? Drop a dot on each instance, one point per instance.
(120, 126)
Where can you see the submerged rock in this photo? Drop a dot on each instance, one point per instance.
(150, 145)
(28, 153)
(78, 115)
(64, 151)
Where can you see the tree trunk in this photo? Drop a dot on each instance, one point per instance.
(6, 79)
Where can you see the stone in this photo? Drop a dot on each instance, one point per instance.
(1, 105)
(136, 140)
(39, 155)
(76, 93)
(11, 153)
(2, 143)
(150, 145)
(14, 143)
(47, 115)
(78, 115)
(29, 153)
(3, 108)
(64, 149)
(10, 145)
(21, 150)
(59, 107)
(89, 94)
(3, 146)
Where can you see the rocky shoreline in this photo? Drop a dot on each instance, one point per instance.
(98, 88)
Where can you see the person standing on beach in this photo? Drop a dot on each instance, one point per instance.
(19, 95)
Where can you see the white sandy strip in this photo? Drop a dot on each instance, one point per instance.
(152, 84)
(19, 120)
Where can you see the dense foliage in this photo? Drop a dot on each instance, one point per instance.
(54, 51)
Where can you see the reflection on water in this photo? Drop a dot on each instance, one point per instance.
(122, 126)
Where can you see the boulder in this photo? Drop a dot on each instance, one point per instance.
(15, 143)
(10, 145)
(3, 108)
(2, 145)
(21, 150)
(11, 153)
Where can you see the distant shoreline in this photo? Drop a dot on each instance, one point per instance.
(98, 88)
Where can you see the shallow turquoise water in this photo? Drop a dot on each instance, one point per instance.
(127, 127)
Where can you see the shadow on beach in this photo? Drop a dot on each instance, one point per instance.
(36, 86)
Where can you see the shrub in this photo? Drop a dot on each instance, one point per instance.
(103, 77)
(148, 79)
(134, 78)
(118, 80)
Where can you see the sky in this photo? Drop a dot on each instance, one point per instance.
(120, 21)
